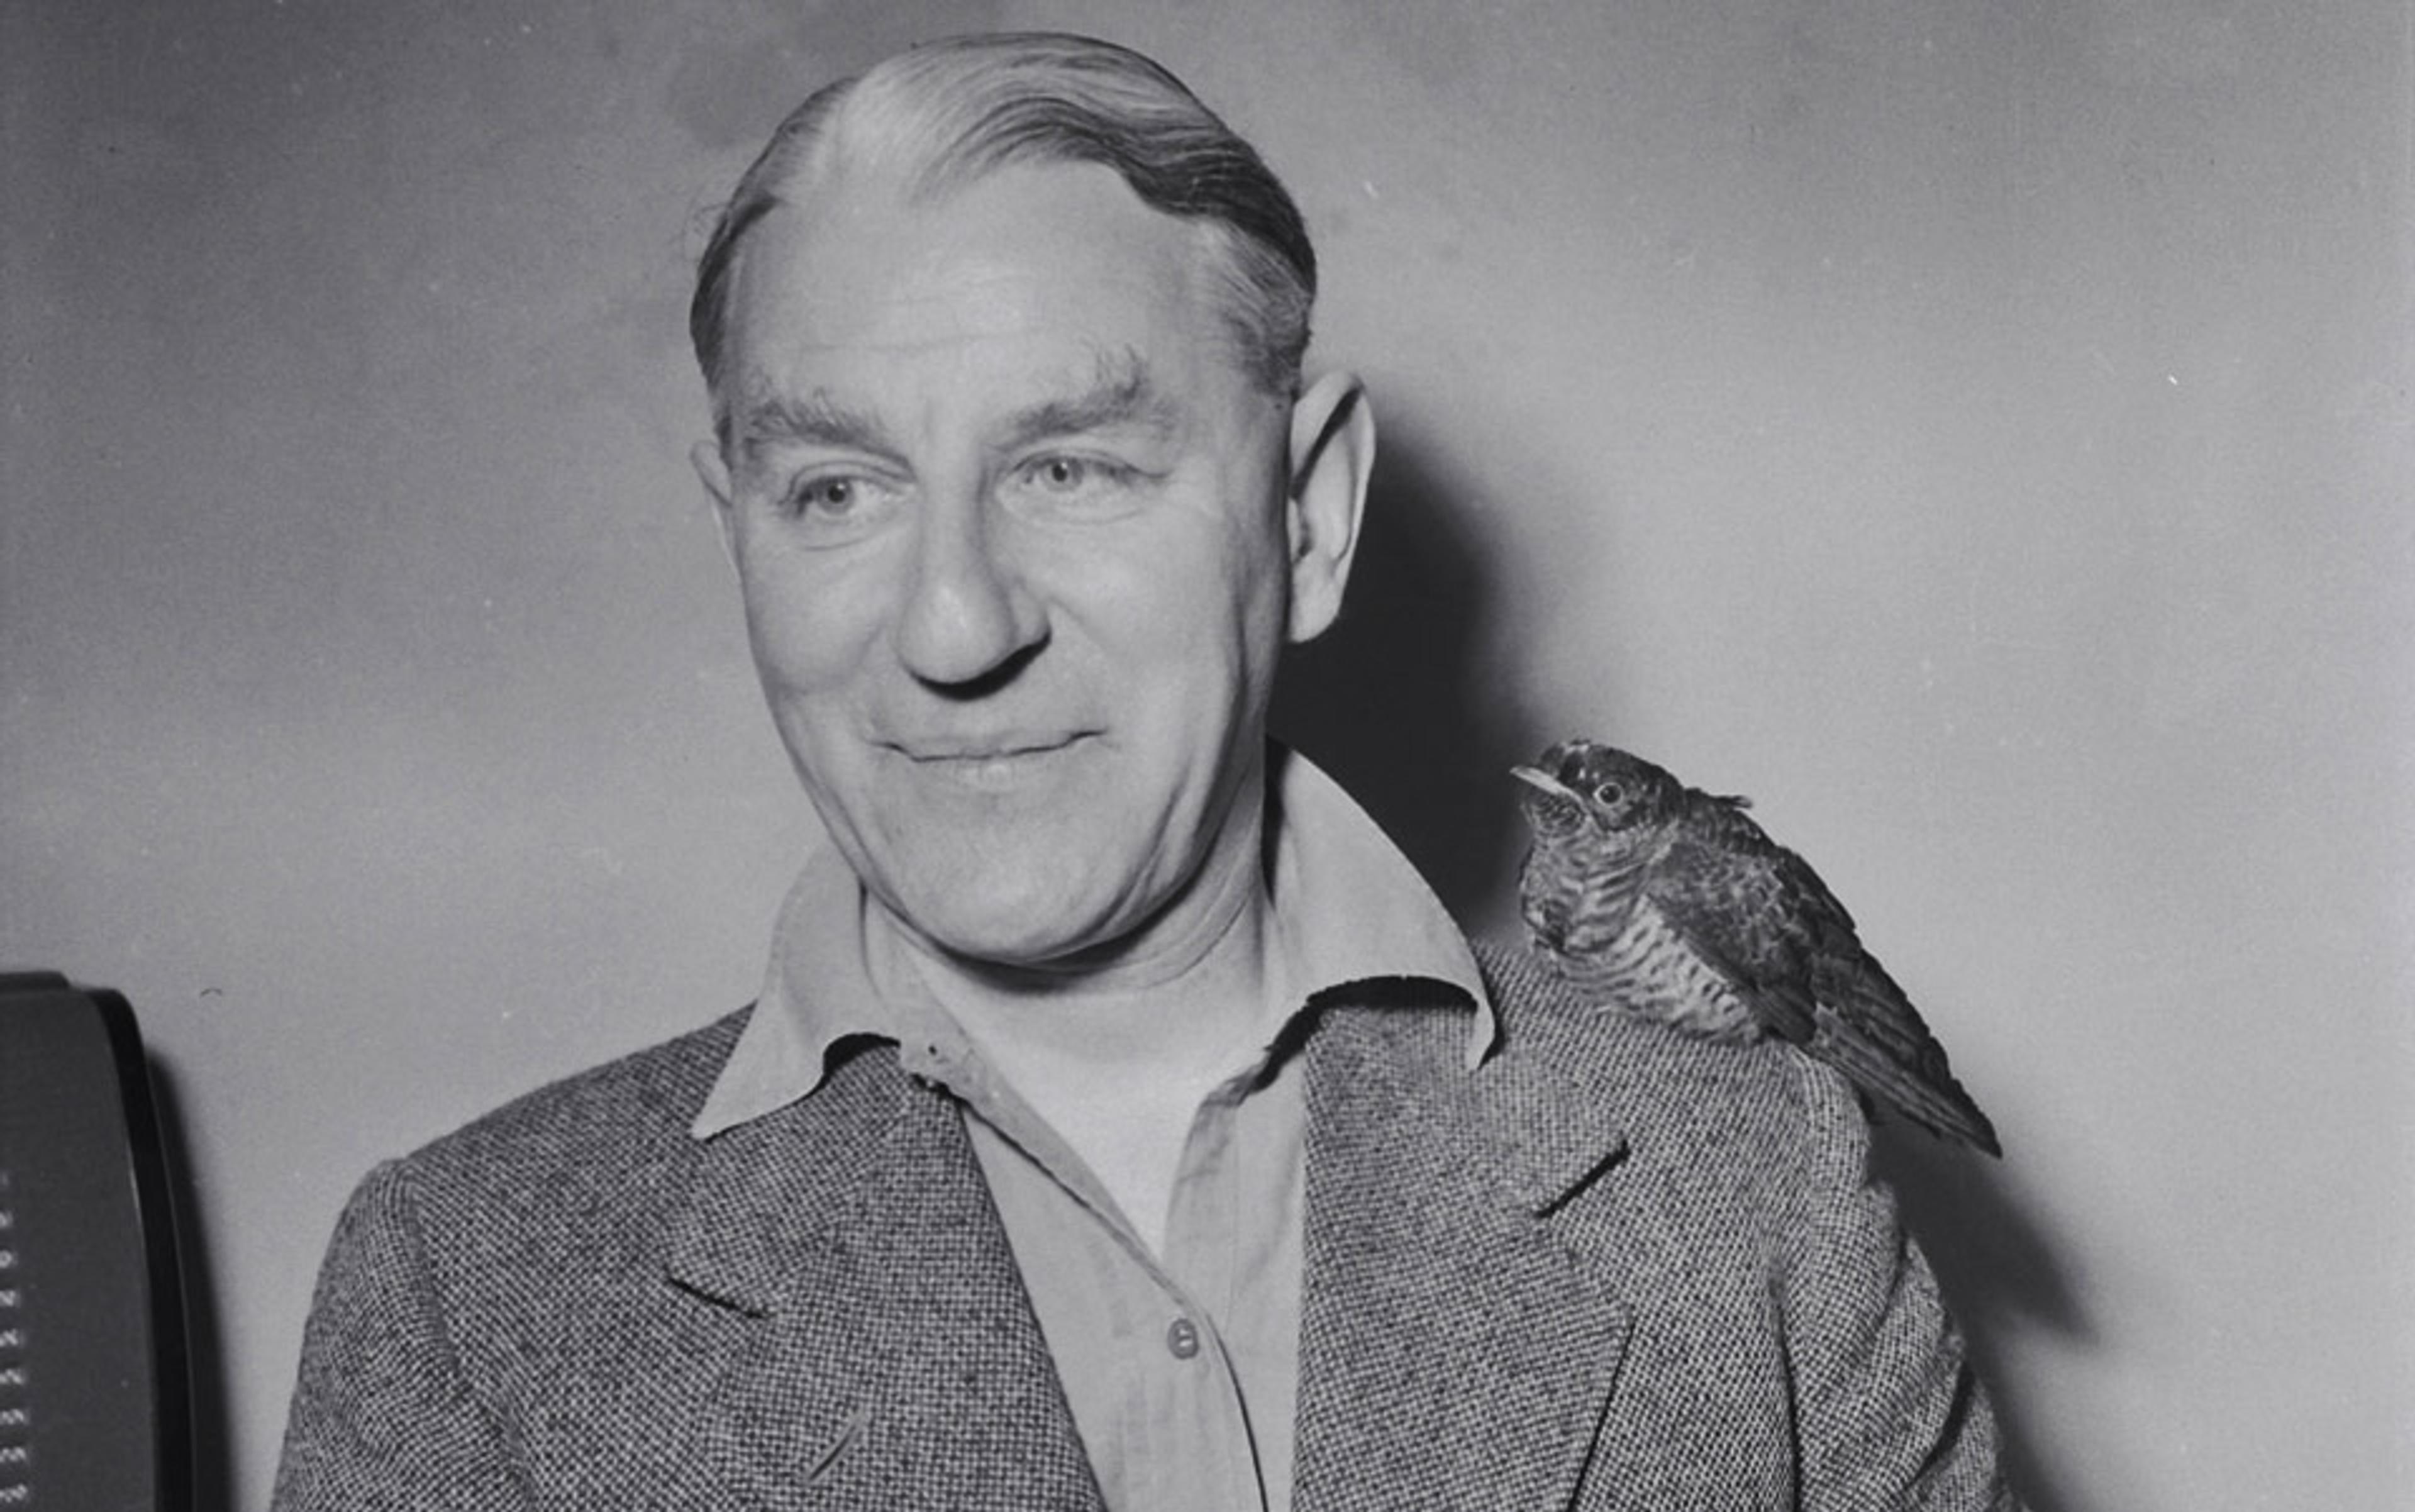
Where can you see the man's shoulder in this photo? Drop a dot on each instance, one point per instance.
(599, 1124)
(1741, 1103)
(576, 1179)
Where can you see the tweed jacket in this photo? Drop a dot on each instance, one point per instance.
(1609, 1267)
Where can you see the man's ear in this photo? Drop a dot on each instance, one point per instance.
(1332, 454)
(715, 473)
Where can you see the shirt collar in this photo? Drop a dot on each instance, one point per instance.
(1346, 905)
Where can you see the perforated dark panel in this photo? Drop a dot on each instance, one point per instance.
(93, 1404)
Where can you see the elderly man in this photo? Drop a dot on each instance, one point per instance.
(1122, 1122)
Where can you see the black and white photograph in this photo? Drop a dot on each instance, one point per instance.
(1181, 757)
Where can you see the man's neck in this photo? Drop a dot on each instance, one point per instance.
(1118, 1060)
(1186, 984)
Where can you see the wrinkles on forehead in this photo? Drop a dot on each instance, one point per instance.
(1179, 265)
(1121, 394)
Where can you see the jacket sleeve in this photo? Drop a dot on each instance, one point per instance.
(383, 1415)
(1889, 1412)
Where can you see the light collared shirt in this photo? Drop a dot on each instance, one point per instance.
(1180, 1368)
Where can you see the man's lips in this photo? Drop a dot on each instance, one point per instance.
(993, 764)
(977, 750)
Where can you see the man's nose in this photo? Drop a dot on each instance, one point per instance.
(967, 612)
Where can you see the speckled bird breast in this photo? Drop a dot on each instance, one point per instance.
(1645, 968)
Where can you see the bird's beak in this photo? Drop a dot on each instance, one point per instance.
(1536, 777)
(1551, 809)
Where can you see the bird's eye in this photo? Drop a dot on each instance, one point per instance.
(1607, 795)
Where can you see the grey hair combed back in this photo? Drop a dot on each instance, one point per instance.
(942, 114)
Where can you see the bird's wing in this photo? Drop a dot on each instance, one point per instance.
(1761, 916)
(1723, 885)
(1866, 1026)
(1869, 1030)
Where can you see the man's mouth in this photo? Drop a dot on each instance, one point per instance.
(990, 763)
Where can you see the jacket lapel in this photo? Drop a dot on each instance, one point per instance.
(1457, 1348)
(873, 1342)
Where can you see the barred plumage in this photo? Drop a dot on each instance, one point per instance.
(1670, 903)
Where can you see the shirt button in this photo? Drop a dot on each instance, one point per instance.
(1182, 1339)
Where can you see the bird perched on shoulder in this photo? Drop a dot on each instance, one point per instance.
(1669, 901)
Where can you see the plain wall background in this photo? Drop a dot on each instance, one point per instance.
(1979, 432)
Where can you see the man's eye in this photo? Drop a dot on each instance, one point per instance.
(1059, 478)
(835, 508)
(829, 498)
(1064, 474)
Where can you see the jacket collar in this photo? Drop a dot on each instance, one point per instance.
(855, 1266)
(1454, 1331)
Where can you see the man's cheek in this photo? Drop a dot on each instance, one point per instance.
(808, 635)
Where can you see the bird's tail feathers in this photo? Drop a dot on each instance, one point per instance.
(1930, 1097)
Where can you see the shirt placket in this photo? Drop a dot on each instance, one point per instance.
(1168, 1428)
(1243, 1268)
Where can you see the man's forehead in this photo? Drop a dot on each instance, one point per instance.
(864, 261)
(1038, 292)
(1025, 217)
(1115, 387)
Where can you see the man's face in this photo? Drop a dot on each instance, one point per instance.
(1010, 523)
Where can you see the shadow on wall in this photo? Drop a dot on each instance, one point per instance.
(1411, 701)
(1404, 700)
(1999, 1272)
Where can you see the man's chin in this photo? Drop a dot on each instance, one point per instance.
(1014, 929)
(1028, 959)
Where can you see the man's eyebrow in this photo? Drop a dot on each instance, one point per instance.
(1121, 392)
(812, 419)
